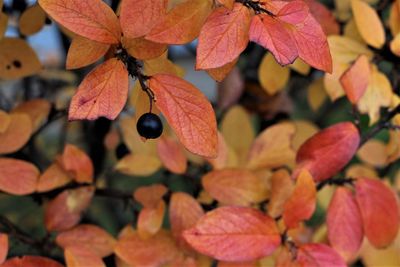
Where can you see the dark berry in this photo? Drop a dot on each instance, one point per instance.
(149, 126)
(121, 151)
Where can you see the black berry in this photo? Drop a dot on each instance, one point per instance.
(149, 126)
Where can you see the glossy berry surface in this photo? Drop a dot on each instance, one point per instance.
(149, 126)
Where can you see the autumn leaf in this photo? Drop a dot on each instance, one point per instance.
(188, 112)
(32, 20)
(78, 255)
(345, 231)
(379, 211)
(319, 255)
(235, 187)
(301, 204)
(103, 92)
(30, 261)
(16, 134)
(138, 17)
(18, 177)
(248, 234)
(53, 177)
(328, 151)
(172, 155)
(77, 163)
(3, 247)
(92, 19)
(223, 37)
(143, 49)
(138, 165)
(227, 3)
(221, 75)
(149, 196)
(273, 77)
(324, 17)
(150, 220)
(282, 187)
(37, 109)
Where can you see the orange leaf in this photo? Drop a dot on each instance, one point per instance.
(223, 37)
(138, 17)
(171, 155)
(64, 211)
(184, 213)
(31, 261)
(17, 134)
(182, 24)
(247, 234)
(143, 49)
(221, 73)
(188, 112)
(149, 196)
(37, 109)
(356, 79)
(319, 255)
(344, 223)
(53, 177)
(103, 92)
(281, 189)
(150, 220)
(301, 204)
(77, 163)
(5, 121)
(328, 151)
(83, 52)
(227, 3)
(92, 19)
(88, 237)
(78, 255)
(235, 187)
(3, 247)
(272, 34)
(379, 211)
(18, 177)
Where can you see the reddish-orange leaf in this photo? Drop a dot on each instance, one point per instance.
(92, 19)
(143, 49)
(3, 247)
(319, 255)
(31, 261)
(172, 155)
(77, 163)
(281, 189)
(64, 212)
(103, 92)
(310, 39)
(223, 37)
(328, 151)
(184, 213)
(88, 237)
(324, 17)
(356, 79)
(188, 112)
(221, 73)
(17, 134)
(83, 52)
(235, 187)
(247, 234)
(138, 17)
(79, 256)
(182, 24)
(344, 223)
(18, 177)
(379, 211)
(158, 250)
(301, 204)
(272, 34)
(53, 177)
(149, 196)
(150, 220)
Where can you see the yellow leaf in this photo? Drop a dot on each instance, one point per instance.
(389, 256)
(332, 84)
(300, 66)
(304, 130)
(373, 153)
(351, 31)
(346, 50)
(394, 18)
(273, 77)
(138, 165)
(316, 94)
(395, 45)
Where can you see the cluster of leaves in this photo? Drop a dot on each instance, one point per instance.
(256, 197)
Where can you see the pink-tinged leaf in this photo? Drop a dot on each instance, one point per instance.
(172, 155)
(356, 79)
(138, 17)
(223, 37)
(310, 39)
(324, 17)
(31, 261)
(76, 162)
(103, 92)
(319, 255)
(18, 177)
(247, 234)
(328, 151)
(379, 211)
(272, 34)
(3, 247)
(301, 204)
(345, 231)
(92, 19)
(188, 112)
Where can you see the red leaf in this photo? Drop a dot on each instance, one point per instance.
(223, 37)
(272, 34)
(344, 223)
(247, 234)
(324, 17)
(356, 79)
(188, 112)
(92, 19)
(78, 163)
(3, 247)
(301, 204)
(138, 17)
(18, 177)
(319, 255)
(31, 261)
(379, 211)
(103, 92)
(328, 151)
